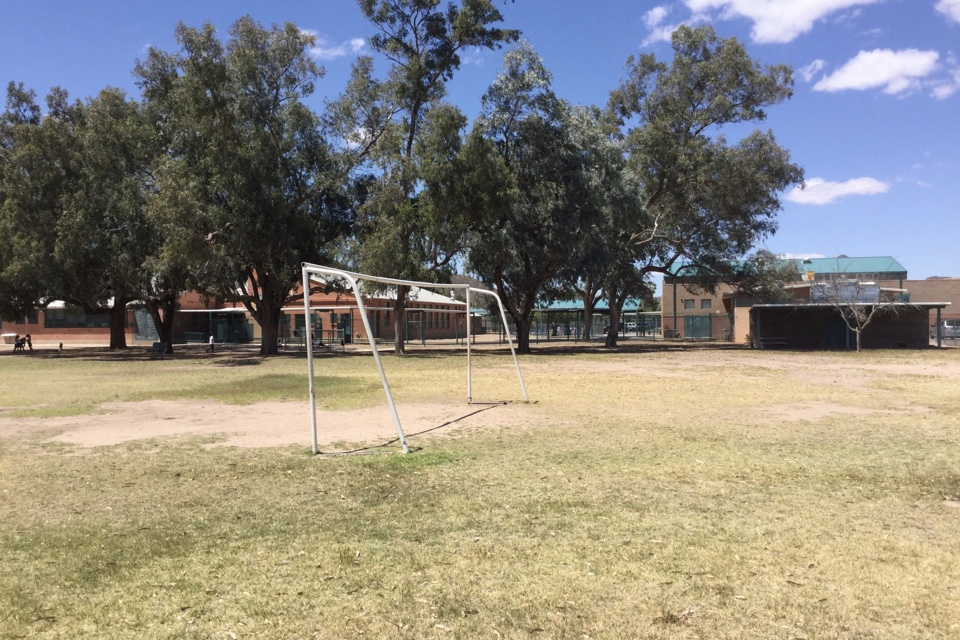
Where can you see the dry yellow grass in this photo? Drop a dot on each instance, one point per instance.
(655, 494)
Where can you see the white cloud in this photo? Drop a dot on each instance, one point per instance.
(659, 31)
(950, 8)
(655, 16)
(811, 69)
(894, 71)
(324, 51)
(943, 89)
(473, 55)
(777, 20)
(819, 191)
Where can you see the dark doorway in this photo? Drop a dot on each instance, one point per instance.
(835, 335)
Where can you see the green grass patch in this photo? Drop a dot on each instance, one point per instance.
(58, 411)
(77, 387)
(350, 391)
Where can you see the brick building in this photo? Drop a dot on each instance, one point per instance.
(803, 320)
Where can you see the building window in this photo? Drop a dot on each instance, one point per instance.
(71, 318)
(689, 304)
(706, 303)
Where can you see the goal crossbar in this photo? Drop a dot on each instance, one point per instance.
(353, 279)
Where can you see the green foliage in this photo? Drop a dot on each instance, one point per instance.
(248, 187)
(74, 203)
(414, 222)
(424, 43)
(38, 162)
(764, 275)
(526, 241)
(607, 256)
(707, 201)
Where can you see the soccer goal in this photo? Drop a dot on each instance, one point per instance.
(313, 271)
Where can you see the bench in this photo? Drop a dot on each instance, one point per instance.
(766, 343)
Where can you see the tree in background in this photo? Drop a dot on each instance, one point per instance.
(857, 299)
(248, 182)
(411, 227)
(38, 163)
(604, 262)
(104, 236)
(519, 248)
(706, 202)
(76, 222)
(764, 276)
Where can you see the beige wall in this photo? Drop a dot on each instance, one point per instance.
(720, 325)
(940, 290)
(741, 325)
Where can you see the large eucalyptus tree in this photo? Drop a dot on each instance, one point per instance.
(706, 201)
(73, 192)
(412, 226)
(520, 248)
(248, 184)
(37, 161)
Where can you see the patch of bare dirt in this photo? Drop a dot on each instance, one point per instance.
(266, 424)
(814, 410)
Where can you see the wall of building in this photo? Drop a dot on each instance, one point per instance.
(691, 302)
(821, 328)
(937, 290)
(909, 329)
(337, 315)
(38, 328)
(741, 324)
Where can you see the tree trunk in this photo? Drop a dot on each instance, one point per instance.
(588, 306)
(523, 335)
(269, 309)
(400, 320)
(269, 331)
(589, 295)
(611, 341)
(163, 321)
(118, 323)
(587, 319)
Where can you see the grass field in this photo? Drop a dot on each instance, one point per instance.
(675, 493)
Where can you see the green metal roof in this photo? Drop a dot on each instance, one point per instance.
(864, 265)
(860, 265)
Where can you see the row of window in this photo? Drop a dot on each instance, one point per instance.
(433, 320)
(705, 303)
(65, 319)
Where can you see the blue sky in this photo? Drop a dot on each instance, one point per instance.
(874, 121)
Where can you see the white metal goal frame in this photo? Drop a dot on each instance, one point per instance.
(353, 279)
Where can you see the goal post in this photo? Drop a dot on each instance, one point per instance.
(353, 279)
